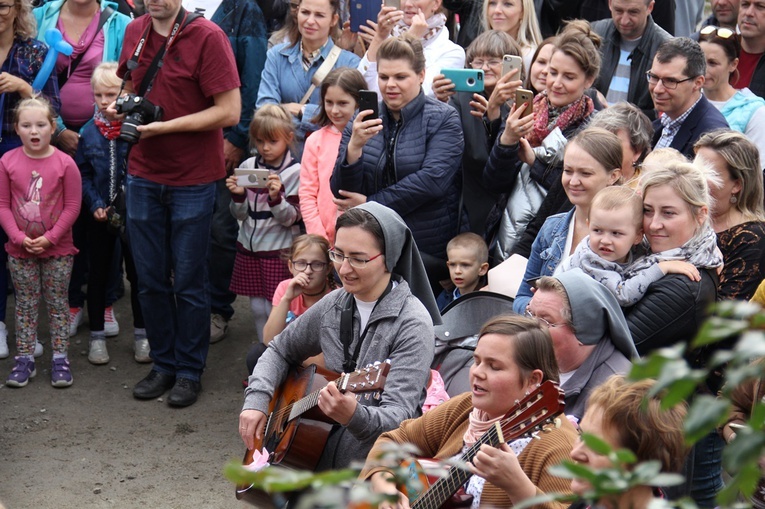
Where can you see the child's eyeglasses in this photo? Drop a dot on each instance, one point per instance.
(722, 33)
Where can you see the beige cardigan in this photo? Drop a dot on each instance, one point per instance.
(438, 434)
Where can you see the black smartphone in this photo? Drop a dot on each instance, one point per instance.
(368, 101)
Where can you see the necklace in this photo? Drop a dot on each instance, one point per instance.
(323, 288)
(75, 25)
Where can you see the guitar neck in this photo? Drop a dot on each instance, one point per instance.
(448, 485)
(305, 404)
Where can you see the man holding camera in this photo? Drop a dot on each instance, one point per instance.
(182, 72)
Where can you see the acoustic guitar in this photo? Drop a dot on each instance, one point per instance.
(526, 418)
(296, 429)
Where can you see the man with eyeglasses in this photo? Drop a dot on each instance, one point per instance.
(751, 64)
(590, 335)
(630, 40)
(675, 81)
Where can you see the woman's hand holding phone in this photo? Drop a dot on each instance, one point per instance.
(503, 92)
(517, 126)
(362, 132)
(443, 88)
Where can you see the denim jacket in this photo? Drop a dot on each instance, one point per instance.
(93, 159)
(546, 254)
(285, 81)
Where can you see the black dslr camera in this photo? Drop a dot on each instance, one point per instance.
(138, 111)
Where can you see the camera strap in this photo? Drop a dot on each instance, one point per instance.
(181, 20)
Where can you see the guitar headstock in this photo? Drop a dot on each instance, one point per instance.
(533, 411)
(368, 379)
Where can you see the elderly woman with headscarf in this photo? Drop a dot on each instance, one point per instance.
(385, 310)
(591, 337)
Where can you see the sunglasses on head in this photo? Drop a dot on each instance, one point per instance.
(722, 33)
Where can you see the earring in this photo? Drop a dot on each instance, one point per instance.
(733, 199)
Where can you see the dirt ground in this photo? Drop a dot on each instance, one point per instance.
(93, 445)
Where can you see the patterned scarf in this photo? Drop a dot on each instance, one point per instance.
(435, 23)
(110, 129)
(547, 118)
(701, 251)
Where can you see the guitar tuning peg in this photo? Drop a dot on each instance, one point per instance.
(376, 396)
(517, 401)
(354, 385)
(366, 396)
(558, 422)
(536, 436)
(376, 363)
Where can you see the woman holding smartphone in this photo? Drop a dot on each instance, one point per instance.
(527, 158)
(407, 159)
(423, 20)
(480, 116)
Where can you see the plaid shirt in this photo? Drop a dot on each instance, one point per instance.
(670, 127)
(24, 61)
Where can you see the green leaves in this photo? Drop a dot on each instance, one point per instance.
(706, 413)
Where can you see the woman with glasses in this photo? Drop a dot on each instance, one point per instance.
(480, 116)
(744, 111)
(592, 160)
(525, 160)
(589, 332)
(385, 310)
(22, 57)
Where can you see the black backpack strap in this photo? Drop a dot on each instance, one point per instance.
(63, 76)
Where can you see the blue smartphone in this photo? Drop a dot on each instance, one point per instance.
(363, 11)
(465, 80)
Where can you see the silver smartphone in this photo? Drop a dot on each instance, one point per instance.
(510, 62)
(249, 177)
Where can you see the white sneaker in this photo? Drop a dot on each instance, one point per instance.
(98, 354)
(76, 317)
(38, 349)
(218, 328)
(111, 327)
(142, 351)
(3, 341)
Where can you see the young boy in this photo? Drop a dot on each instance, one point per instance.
(101, 157)
(606, 254)
(468, 264)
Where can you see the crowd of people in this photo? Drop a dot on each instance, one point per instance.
(209, 149)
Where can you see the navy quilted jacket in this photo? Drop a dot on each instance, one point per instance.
(427, 158)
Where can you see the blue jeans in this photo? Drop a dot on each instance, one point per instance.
(220, 261)
(707, 470)
(169, 231)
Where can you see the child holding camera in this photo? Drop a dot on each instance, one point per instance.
(269, 212)
(102, 159)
